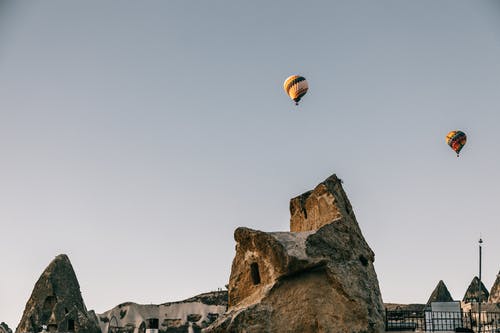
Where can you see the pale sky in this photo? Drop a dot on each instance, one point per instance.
(135, 136)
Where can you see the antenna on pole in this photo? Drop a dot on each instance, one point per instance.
(479, 287)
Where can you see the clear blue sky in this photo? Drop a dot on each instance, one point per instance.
(136, 136)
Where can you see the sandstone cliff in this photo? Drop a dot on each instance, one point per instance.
(317, 278)
(56, 302)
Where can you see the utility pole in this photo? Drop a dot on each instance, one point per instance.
(480, 290)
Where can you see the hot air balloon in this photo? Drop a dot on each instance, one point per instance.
(296, 87)
(456, 140)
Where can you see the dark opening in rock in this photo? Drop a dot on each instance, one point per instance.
(194, 317)
(71, 325)
(254, 271)
(363, 260)
(153, 323)
(142, 327)
(49, 303)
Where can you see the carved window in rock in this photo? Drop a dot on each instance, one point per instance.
(48, 306)
(254, 273)
(49, 303)
(71, 325)
(153, 323)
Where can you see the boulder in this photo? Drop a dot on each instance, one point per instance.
(56, 302)
(317, 278)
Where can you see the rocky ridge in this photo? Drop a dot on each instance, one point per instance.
(190, 315)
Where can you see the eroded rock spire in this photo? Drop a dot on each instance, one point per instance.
(56, 302)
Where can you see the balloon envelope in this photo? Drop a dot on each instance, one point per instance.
(456, 140)
(296, 87)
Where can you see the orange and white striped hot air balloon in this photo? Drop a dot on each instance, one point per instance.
(296, 87)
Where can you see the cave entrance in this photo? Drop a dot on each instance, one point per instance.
(254, 272)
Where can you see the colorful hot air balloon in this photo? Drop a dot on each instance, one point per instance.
(296, 87)
(456, 140)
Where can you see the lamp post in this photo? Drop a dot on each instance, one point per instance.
(479, 288)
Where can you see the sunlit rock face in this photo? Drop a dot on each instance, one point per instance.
(56, 302)
(317, 278)
(326, 203)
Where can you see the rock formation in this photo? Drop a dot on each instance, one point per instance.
(440, 294)
(323, 205)
(472, 294)
(186, 316)
(4, 328)
(57, 303)
(414, 307)
(495, 291)
(317, 278)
